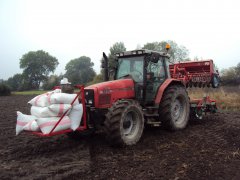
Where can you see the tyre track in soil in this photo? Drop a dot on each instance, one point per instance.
(208, 149)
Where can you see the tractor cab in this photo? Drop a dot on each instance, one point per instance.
(148, 69)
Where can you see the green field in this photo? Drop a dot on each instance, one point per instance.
(36, 92)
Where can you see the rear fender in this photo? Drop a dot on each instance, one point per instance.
(164, 86)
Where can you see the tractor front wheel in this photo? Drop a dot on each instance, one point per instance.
(124, 123)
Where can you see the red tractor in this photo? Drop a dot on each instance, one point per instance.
(142, 92)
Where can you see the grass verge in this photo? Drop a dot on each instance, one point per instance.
(228, 98)
(36, 92)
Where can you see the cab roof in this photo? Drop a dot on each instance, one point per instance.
(140, 52)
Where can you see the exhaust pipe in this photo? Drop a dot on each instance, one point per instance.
(105, 66)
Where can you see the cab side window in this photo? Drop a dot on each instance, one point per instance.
(157, 69)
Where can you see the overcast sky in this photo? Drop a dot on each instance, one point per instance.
(68, 29)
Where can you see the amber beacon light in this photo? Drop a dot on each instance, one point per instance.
(168, 47)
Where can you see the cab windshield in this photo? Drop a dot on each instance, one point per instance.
(131, 66)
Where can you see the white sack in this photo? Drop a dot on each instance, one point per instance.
(56, 91)
(76, 116)
(43, 100)
(47, 124)
(40, 100)
(60, 109)
(22, 121)
(64, 98)
(54, 110)
(31, 126)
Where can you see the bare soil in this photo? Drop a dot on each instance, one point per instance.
(207, 149)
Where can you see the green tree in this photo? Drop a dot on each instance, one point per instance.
(115, 48)
(237, 71)
(36, 67)
(97, 79)
(154, 46)
(80, 70)
(177, 53)
(52, 81)
(231, 75)
(15, 82)
(4, 90)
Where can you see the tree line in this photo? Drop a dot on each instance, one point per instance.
(38, 65)
(231, 76)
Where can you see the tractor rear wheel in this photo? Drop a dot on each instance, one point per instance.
(215, 81)
(174, 108)
(124, 123)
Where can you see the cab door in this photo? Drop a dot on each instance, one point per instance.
(156, 75)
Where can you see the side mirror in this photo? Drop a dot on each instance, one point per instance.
(155, 57)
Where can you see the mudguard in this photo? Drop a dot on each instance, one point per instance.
(164, 86)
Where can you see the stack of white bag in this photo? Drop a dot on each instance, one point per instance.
(46, 111)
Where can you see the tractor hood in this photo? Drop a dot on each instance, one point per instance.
(106, 93)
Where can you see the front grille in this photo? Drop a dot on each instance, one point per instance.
(104, 99)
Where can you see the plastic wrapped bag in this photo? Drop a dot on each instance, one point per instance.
(54, 110)
(24, 122)
(47, 124)
(76, 116)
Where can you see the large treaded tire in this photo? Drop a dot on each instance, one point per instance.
(215, 81)
(174, 108)
(124, 123)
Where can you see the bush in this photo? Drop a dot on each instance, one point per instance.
(97, 79)
(4, 90)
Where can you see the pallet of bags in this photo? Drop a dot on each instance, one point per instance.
(48, 108)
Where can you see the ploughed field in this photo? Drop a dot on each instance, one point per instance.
(207, 149)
